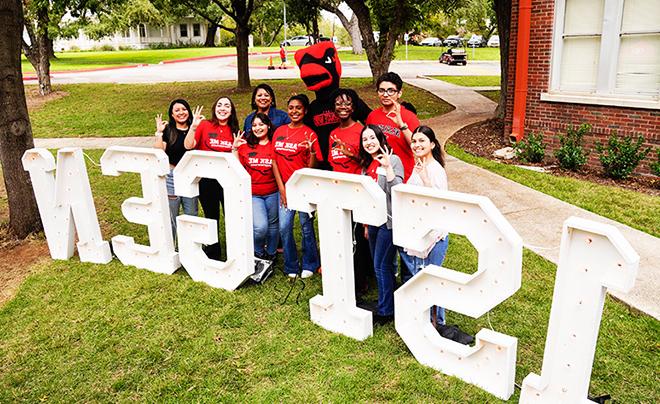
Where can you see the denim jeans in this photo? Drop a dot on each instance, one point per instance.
(310, 252)
(436, 257)
(189, 204)
(265, 210)
(383, 253)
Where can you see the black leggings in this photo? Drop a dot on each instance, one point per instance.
(211, 196)
(363, 266)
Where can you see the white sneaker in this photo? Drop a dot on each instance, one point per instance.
(293, 275)
(306, 274)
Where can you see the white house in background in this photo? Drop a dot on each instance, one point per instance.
(187, 30)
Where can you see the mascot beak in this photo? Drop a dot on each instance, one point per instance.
(319, 65)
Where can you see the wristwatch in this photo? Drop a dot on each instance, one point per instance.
(403, 127)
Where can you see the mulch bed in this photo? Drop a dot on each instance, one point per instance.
(483, 138)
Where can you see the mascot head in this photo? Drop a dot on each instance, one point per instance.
(320, 68)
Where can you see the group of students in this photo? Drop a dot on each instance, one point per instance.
(391, 147)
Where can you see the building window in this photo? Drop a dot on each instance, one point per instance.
(607, 48)
(142, 30)
(196, 30)
(183, 30)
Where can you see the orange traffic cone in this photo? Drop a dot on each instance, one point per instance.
(270, 63)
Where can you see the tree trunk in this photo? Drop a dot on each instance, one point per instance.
(354, 30)
(51, 48)
(15, 129)
(210, 36)
(38, 52)
(243, 70)
(503, 12)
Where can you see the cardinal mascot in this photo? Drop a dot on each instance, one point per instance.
(320, 70)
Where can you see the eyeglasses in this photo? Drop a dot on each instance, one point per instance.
(388, 91)
(343, 104)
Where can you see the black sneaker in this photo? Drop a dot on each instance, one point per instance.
(454, 333)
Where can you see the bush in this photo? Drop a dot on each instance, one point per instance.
(655, 166)
(105, 47)
(531, 148)
(126, 47)
(621, 156)
(571, 154)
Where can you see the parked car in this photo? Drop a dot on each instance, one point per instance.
(453, 40)
(494, 41)
(431, 41)
(476, 41)
(300, 40)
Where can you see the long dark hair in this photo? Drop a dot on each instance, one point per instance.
(251, 138)
(365, 157)
(436, 152)
(233, 116)
(172, 133)
(269, 90)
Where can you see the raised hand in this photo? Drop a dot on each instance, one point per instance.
(340, 146)
(395, 115)
(307, 144)
(420, 169)
(239, 139)
(160, 124)
(384, 156)
(197, 116)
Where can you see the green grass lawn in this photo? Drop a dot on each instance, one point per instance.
(129, 109)
(635, 209)
(494, 95)
(84, 332)
(471, 81)
(98, 59)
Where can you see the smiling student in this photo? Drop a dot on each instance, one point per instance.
(263, 101)
(295, 146)
(215, 134)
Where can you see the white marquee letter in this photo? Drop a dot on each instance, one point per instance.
(335, 196)
(152, 210)
(66, 205)
(594, 257)
(192, 231)
(416, 211)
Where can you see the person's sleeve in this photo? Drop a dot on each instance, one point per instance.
(397, 167)
(198, 132)
(413, 121)
(284, 118)
(166, 135)
(247, 123)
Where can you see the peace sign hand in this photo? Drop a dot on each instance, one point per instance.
(307, 144)
(239, 139)
(395, 115)
(384, 157)
(420, 169)
(197, 116)
(160, 124)
(343, 148)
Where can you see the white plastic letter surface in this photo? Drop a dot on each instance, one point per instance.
(594, 257)
(66, 205)
(151, 210)
(335, 196)
(193, 232)
(416, 212)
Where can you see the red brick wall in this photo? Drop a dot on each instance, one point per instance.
(551, 118)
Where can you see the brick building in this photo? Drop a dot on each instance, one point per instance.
(593, 61)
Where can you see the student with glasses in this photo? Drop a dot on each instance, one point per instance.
(396, 122)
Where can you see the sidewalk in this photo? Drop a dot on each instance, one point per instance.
(537, 217)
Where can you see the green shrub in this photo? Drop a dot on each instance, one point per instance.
(655, 166)
(105, 47)
(621, 156)
(571, 154)
(531, 148)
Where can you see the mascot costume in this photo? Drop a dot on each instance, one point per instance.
(320, 70)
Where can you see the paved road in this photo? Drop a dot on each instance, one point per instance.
(224, 69)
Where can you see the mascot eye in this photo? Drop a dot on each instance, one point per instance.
(328, 60)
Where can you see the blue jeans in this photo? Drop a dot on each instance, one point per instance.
(436, 257)
(383, 253)
(310, 253)
(189, 204)
(264, 223)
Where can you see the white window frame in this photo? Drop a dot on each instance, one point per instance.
(604, 93)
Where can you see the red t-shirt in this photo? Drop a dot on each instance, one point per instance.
(289, 155)
(351, 137)
(395, 138)
(258, 161)
(371, 170)
(212, 137)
